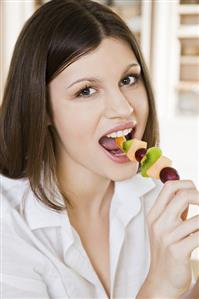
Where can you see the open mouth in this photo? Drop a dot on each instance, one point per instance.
(109, 144)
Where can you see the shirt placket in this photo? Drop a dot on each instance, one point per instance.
(77, 259)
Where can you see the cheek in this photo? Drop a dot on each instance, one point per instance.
(143, 109)
(139, 102)
(74, 126)
(142, 115)
(68, 127)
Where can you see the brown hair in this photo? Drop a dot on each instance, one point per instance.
(57, 34)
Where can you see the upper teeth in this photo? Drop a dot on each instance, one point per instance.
(120, 133)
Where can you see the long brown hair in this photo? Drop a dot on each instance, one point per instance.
(57, 34)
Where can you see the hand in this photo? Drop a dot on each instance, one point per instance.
(194, 293)
(171, 241)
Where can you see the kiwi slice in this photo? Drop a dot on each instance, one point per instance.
(152, 155)
(127, 144)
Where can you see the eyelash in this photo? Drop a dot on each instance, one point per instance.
(87, 86)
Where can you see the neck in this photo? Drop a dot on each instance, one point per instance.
(89, 193)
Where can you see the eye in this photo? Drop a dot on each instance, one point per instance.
(130, 79)
(86, 91)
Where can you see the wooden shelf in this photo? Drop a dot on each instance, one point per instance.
(192, 86)
(191, 31)
(191, 9)
(126, 2)
(189, 60)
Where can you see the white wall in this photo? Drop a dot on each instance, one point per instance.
(13, 15)
(179, 133)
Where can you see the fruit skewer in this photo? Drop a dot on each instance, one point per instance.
(153, 164)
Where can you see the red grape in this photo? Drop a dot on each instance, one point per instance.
(169, 174)
(140, 153)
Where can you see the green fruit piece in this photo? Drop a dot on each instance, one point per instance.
(152, 155)
(127, 144)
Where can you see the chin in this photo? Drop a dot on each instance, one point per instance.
(125, 173)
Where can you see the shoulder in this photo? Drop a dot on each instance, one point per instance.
(19, 247)
(12, 190)
(13, 194)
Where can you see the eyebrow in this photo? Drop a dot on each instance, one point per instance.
(91, 79)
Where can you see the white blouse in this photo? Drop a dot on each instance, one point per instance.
(43, 256)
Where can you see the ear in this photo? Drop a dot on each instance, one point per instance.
(48, 120)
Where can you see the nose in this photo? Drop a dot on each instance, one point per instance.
(116, 105)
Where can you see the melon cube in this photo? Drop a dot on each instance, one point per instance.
(136, 144)
(155, 169)
(119, 141)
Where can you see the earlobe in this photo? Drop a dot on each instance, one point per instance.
(48, 121)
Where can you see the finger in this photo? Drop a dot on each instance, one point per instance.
(189, 244)
(184, 214)
(179, 203)
(184, 248)
(183, 230)
(165, 196)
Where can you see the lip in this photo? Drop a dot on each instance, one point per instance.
(128, 125)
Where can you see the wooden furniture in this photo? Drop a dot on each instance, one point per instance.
(188, 36)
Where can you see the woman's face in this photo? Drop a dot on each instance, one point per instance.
(98, 92)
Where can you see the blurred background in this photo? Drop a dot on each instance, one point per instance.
(168, 33)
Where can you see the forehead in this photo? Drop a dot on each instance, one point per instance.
(112, 55)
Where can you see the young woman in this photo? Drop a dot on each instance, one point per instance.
(78, 219)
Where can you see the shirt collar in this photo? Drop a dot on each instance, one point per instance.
(38, 215)
(125, 201)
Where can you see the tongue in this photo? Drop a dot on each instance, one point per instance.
(108, 143)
